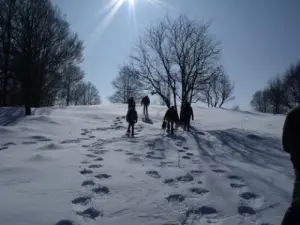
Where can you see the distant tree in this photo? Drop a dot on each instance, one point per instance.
(281, 94)
(260, 101)
(218, 90)
(127, 84)
(276, 94)
(226, 89)
(291, 86)
(72, 75)
(86, 94)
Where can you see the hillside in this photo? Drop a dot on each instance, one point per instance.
(73, 165)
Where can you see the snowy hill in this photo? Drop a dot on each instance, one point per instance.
(74, 166)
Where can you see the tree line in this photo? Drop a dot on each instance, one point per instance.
(40, 57)
(281, 94)
(178, 60)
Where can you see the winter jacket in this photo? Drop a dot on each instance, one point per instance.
(145, 101)
(171, 115)
(290, 136)
(131, 116)
(131, 102)
(187, 113)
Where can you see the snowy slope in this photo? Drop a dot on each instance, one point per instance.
(75, 166)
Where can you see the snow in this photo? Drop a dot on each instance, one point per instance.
(74, 165)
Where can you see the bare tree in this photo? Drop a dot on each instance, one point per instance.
(291, 83)
(281, 94)
(7, 18)
(72, 75)
(226, 89)
(86, 94)
(276, 94)
(35, 45)
(127, 84)
(178, 54)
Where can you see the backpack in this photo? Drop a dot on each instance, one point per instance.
(131, 116)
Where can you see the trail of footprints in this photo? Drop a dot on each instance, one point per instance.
(92, 163)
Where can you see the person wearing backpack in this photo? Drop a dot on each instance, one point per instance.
(170, 118)
(131, 102)
(131, 119)
(145, 102)
(187, 114)
(291, 145)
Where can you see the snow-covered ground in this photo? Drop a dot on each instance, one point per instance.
(75, 166)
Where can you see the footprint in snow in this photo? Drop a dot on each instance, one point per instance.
(129, 153)
(90, 213)
(84, 162)
(94, 166)
(155, 157)
(153, 174)
(71, 141)
(219, 171)
(180, 150)
(91, 156)
(246, 211)
(235, 185)
(85, 146)
(118, 150)
(175, 197)
(86, 171)
(185, 178)
(81, 200)
(186, 148)
(189, 154)
(92, 136)
(98, 159)
(103, 176)
(29, 142)
(101, 190)
(248, 195)
(186, 157)
(169, 181)
(199, 191)
(65, 222)
(40, 138)
(234, 177)
(99, 152)
(196, 172)
(88, 183)
(203, 210)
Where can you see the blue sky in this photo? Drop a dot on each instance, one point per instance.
(260, 38)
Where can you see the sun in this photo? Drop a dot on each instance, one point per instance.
(131, 3)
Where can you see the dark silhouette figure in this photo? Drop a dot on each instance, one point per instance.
(145, 102)
(131, 103)
(291, 144)
(187, 114)
(131, 119)
(171, 117)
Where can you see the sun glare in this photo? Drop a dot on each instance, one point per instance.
(110, 10)
(131, 3)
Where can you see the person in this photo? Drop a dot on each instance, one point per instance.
(171, 117)
(131, 119)
(291, 144)
(187, 114)
(145, 102)
(131, 102)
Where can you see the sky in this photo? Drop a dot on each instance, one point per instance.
(259, 38)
